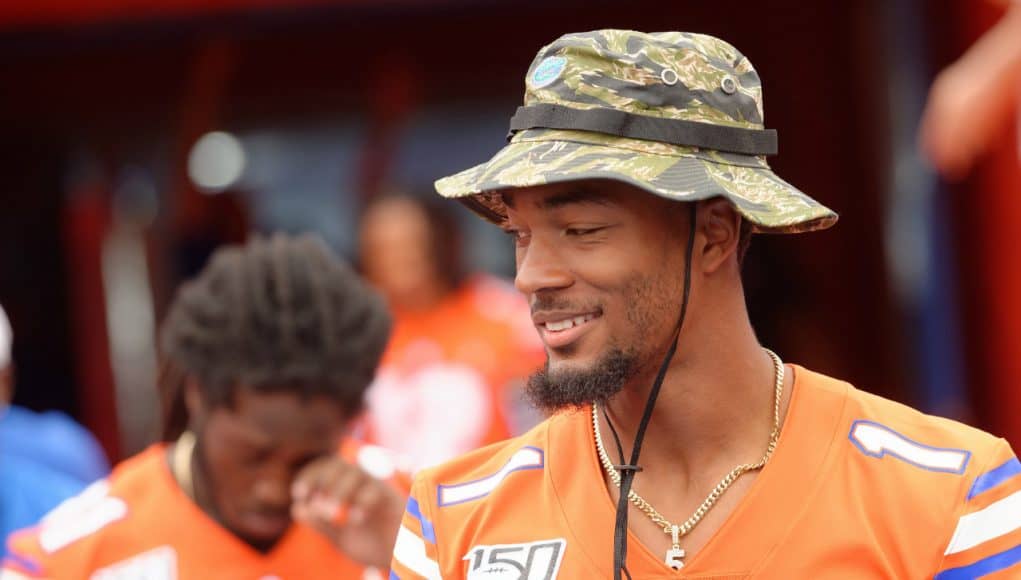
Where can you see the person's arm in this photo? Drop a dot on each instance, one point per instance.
(971, 99)
(416, 554)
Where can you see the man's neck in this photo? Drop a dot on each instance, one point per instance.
(715, 408)
(202, 487)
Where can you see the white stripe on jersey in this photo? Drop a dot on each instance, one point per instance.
(409, 550)
(12, 575)
(524, 458)
(59, 532)
(1001, 517)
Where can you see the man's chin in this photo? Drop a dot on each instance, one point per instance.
(564, 384)
(262, 532)
(261, 542)
(557, 366)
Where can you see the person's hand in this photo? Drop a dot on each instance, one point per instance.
(956, 126)
(971, 100)
(358, 512)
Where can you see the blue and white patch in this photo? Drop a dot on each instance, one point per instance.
(548, 71)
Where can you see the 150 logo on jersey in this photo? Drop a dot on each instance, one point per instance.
(530, 561)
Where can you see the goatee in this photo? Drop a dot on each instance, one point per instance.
(551, 391)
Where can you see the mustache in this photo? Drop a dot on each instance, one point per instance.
(545, 302)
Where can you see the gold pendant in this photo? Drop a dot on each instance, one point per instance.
(675, 555)
(673, 558)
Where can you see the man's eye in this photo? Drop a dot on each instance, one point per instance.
(517, 235)
(575, 232)
(256, 457)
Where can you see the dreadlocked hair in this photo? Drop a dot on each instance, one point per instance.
(277, 314)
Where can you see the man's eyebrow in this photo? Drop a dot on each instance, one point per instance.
(572, 197)
(559, 200)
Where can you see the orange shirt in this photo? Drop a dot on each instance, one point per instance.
(859, 488)
(138, 523)
(447, 382)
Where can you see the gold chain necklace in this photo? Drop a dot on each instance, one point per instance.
(675, 555)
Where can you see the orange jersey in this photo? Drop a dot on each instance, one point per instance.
(447, 381)
(138, 523)
(859, 488)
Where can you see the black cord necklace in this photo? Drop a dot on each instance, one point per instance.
(629, 469)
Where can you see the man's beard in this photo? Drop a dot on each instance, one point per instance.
(570, 388)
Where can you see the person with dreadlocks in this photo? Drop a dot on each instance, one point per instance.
(267, 355)
(680, 447)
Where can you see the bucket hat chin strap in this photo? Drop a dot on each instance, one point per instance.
(630, 468)
(622, 124)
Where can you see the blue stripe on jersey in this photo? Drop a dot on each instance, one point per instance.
(394, 576)
(995, 477)
(428, 532)
(24, 562)
(993, 563)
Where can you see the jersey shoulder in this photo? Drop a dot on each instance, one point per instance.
(116, 513)
(910, 465)
(878, 426)
(922, 472)
(935, 443)
(475, 476)
(451, 501)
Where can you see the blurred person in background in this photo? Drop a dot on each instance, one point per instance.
(45, 458)
(452, 376)
(971, 99)
(267, 355)
(50, 438)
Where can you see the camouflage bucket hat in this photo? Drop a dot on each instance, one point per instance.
(676, 114)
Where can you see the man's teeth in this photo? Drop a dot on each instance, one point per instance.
(569, 322)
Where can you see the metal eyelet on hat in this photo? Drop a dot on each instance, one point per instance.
(729, 85)
(669, 77)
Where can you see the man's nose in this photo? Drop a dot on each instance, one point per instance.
(273, 490)
(541, 267)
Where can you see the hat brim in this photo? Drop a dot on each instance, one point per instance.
(768, 202)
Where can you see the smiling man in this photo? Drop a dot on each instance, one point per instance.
(679, 447)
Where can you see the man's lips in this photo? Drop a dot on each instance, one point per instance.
(559, 329)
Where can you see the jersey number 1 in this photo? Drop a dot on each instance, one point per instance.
(876, 440)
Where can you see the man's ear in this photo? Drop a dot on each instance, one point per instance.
(195, 402)
(720, 226)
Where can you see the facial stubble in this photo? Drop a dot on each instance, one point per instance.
(553, 389)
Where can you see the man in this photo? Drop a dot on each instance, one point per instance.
(452, 376)
(634, 176)
(268, 353)
(44, 458)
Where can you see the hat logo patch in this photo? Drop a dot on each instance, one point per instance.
(548, 71)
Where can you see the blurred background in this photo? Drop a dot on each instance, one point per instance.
(137, 136)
